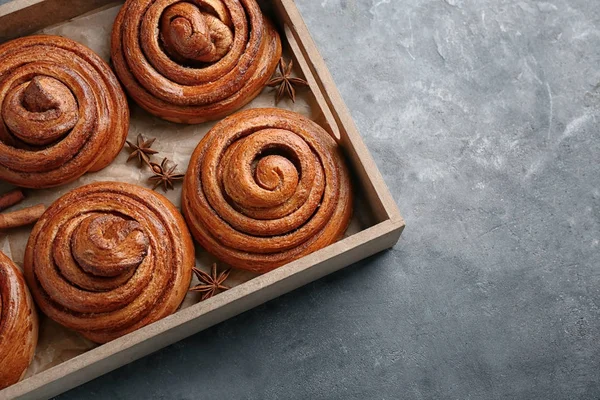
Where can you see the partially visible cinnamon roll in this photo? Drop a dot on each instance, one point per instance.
(108, 258)
(265, 187)
(193, 61)
(62, 112)
(18, 324)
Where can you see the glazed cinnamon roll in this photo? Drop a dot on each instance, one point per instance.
(62, 112)
(108, 258)
(18, 324)
(193, 61)
(265, 187)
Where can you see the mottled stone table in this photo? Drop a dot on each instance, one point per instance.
(483, 116)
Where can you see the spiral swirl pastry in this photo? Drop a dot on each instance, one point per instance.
(62, 112)
(108, 258)
(18, 324)
(265, 187)
(196, 60)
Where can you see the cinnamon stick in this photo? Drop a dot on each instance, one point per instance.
(21, 217)
(11, 198)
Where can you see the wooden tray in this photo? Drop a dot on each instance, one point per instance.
(23, 17)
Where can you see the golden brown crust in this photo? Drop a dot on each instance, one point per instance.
(18, 324)
(63, 112)
(108, 258)
(193, 62)
(265, 187)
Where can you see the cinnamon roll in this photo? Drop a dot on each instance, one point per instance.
(193, 61)
(265, 187)
(62, 112)
(18, 324)
(108, 258)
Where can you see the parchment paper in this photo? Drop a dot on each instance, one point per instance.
(176, 142)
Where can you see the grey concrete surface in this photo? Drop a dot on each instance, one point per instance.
(483, 116)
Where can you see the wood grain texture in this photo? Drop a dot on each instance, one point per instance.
(24, 17)
(108, 258)
(63, 113)
(18, 324)
(193, 62)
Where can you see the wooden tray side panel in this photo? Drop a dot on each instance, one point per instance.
(24, 17)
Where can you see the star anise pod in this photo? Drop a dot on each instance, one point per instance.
(212, 284)
(163, 175)
(286, 82)
(141, 150)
